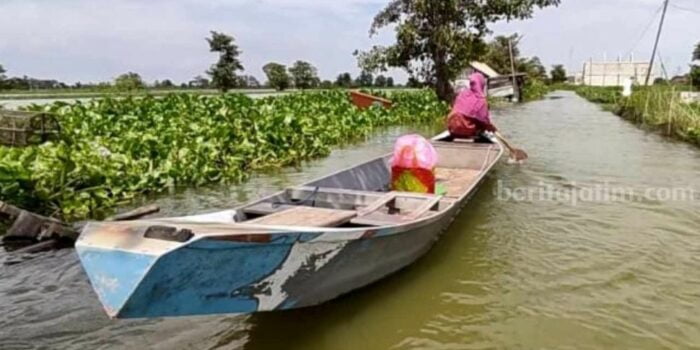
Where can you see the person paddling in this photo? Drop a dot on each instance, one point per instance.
(470, 117)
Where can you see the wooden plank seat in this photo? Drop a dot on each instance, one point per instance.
(369, 208)
(307, 217)
(266, 208)
(456, 181)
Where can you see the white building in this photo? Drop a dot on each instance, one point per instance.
(614, 73)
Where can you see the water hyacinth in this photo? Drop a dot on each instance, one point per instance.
(114, 149)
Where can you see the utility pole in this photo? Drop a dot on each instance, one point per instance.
(516, 95)
(656, 44)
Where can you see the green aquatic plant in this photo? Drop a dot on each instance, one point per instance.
(656, 107)
(115, 149)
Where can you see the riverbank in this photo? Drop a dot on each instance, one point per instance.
(658, 108)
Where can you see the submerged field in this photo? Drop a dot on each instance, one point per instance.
(657, 107)
(112, 150)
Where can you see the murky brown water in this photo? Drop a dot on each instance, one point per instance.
(619, 267)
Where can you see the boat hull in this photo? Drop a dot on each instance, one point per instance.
(239, 268)
(288, 270)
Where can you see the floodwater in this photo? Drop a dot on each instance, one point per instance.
(594, 243)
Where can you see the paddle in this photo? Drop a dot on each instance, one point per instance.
(516, 154)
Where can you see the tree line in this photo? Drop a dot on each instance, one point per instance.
(224, 74)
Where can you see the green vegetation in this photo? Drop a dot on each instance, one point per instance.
(113, 150)
(535, 89)
(277, 76)
(609, 95)
(695, 69)
(497, 56)
(436, 40)
(304, 75)
(223, 73)
(129, 82)
(658, 107)
(558, 74)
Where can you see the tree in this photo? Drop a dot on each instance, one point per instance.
(380, 81)
(365, 79)
(344, 80)
(695, 68)
(304, 75)
(695, 76)
(436, 40)
(129, 81)
(2, 77)
(390, 82)
(199, 82)
(558, 74)
(248, 81)
(167, 83)
(533, 68)
(223, 73)
(277, 76)
(498, 53)
(326, 84)
(414, 83)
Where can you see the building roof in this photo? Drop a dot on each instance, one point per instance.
(484, 68)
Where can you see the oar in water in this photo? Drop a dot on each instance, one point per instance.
(516, 154)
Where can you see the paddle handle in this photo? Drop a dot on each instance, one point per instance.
(504, 141)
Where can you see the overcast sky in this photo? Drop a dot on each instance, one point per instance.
(90, 40)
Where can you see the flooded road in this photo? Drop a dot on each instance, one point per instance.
(594, 243)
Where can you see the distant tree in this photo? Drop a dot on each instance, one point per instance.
(695, 68)
(660, 81)
(223, 73)
(2, 76)
(326, 84)
(129, 81)
(277, 76)
(558, 74)
(304, 75)
(533, 68)
(390, 82)
(413, 83)
(199, 82)
(167, 83)
(248, 81)
(365, 79)
(184, 85)
(498, 53)
(436, 40)
(695, 77)
(380, 81)
(344, 80)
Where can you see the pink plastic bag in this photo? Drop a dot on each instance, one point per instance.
(414, 151)
(413, 165)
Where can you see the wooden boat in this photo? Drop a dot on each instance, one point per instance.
(299, 247)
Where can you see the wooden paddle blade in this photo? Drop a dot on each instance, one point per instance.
(519, 155)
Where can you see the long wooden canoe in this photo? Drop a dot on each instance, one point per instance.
(296, 248)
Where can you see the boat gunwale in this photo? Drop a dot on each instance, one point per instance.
(338, 234)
